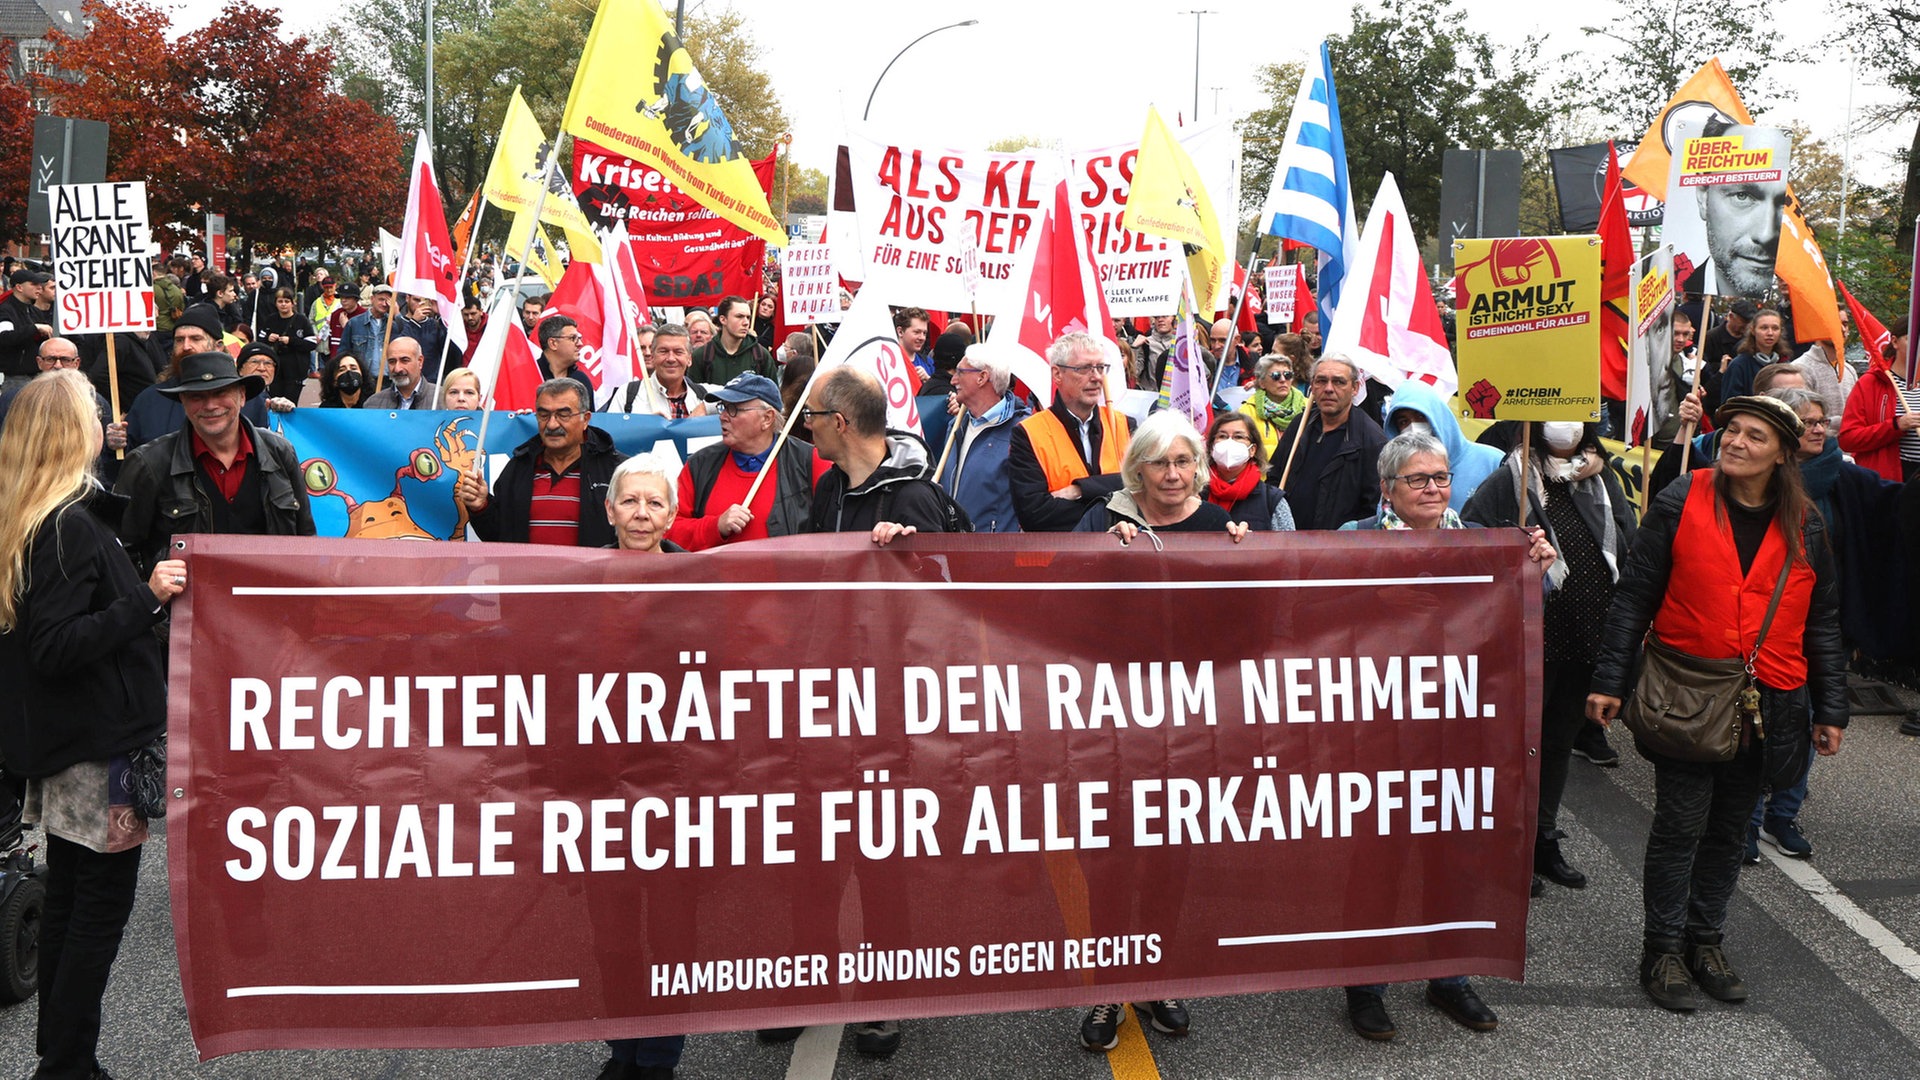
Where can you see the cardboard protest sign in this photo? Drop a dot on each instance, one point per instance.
(102, 257)
(1528, 327)
(545, 806)
(1725, 195)
(809, 288)
(1655, 377)
(915, 203)
(1285, 283)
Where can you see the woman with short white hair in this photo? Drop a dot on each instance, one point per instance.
(1162, 477)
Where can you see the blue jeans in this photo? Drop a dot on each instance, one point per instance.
(1784, 805)
(658, 1051)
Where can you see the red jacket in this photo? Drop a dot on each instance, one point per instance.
(1868, 430)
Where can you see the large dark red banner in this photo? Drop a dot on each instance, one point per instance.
(688, 255)
(478, 795)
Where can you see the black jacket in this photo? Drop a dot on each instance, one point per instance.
(138, 363)
(1348, 487)
(897, 491)
(1033, 501)
(1643, 588)
(20, 336)
(82, 669)
(792, 490)
(506, 517)
(290, 357)
(164, 498)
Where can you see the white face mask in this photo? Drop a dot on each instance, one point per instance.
(1562, 435)
(1231, 453)
(1420, 426)
(780, 354)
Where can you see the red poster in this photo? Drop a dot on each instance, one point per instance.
(480, 795)
(688, 255)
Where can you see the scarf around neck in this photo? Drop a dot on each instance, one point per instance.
(1224, 493)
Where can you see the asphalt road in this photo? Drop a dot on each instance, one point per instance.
(1826, 946)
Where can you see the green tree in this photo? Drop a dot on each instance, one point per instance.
(1654, 48)
(380, 47)
(1885, 39)
(536, 45)
(1412, 83)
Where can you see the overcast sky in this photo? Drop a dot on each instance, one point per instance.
(1085, 70)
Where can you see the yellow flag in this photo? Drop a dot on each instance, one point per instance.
(1799, 262)
(636, 92)
(519, 165)
(1169, 200)
(538, 260)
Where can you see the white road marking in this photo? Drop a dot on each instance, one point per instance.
(1828, 895)
(815, 1052)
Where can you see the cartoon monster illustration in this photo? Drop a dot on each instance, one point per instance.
(390, 518)
(692, 114)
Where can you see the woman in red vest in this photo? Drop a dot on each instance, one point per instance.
(1702, 575)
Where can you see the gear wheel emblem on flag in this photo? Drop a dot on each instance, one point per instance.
(692, 114)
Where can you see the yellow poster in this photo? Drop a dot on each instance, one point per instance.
(1527, 326)
(637, 92)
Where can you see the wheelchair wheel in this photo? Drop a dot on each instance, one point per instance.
(20, 940)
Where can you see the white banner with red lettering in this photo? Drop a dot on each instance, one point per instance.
(916, 202)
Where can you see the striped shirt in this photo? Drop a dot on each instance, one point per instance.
(1906, 401)
(554, 517)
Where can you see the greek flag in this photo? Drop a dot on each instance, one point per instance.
(1309, 201)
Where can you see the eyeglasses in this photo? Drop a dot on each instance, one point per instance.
(1084, 369)
(740, 408)
(568, 337)
(1280, 376)
(1177, 464)
(969, 371)
(60, 361)
(1823, 423)
(807, 414)
(565, 416)
(1331, 380)
(1422, 481)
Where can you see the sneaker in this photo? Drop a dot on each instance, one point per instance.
(1664, 977)
(1752, 857)
(877, 1038)
(1101, 1029)
(1591, 743)
(1169, 1017)
(1707, 963)
(1911, 725)
(1785, 835)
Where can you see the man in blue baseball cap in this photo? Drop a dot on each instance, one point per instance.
(714, 508)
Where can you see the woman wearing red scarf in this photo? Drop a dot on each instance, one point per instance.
(1236, 475)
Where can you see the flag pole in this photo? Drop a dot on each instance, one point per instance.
(1526, 451)
(618, 279)
(1233, 331)
(113, 390)
(1686, 433)
(446, 347)
(519, 277)
(380, 380)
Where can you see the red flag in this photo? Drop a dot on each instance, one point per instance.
(1250, 311)
(1061, 297)
(1873, 334)
(1616, 281)
(429, 266)
(579, 297)
(519, 370)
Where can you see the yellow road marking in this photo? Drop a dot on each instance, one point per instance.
(1132, 1059)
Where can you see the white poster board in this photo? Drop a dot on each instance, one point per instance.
(809, 288)
(102, 257)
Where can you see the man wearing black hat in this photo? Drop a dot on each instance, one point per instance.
(719, 476)
(26, 319)
(217, 473)
(155, 412)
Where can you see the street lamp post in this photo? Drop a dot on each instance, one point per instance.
(903, 52)
(1197, 16)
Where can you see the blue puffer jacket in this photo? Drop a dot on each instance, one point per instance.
(1469, 461)
(981, 487)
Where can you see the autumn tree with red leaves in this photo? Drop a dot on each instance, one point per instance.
(16, 154)
(232, 119)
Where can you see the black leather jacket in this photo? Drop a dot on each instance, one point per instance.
(1643, 588)
(164, 497)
